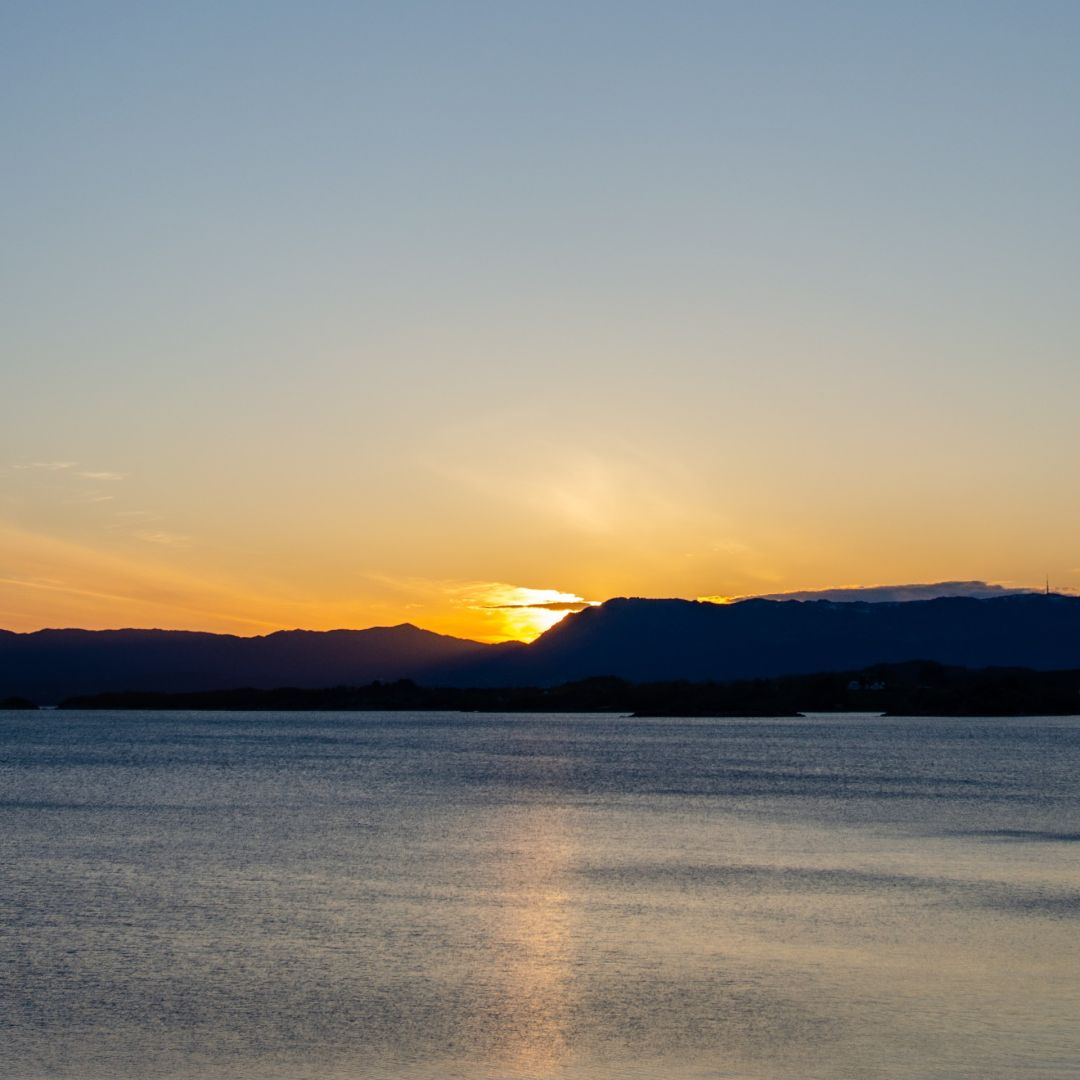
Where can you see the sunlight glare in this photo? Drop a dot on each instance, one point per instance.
(523, 614)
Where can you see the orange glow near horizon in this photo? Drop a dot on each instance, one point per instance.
(523, 614)
(52, 583)
(115, 580)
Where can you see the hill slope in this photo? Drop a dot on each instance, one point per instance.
(652, 640)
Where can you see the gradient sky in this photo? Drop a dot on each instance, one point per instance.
(341, 314)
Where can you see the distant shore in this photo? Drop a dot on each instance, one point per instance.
(909, 689)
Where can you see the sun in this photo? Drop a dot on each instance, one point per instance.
(519, 613)
(527, 624)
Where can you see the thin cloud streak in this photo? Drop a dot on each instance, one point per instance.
(137, 590)
(66, 589)
(555, 605)
(156, 536)
(67, 466)
(884, 593)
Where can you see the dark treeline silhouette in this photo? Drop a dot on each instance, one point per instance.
(918, 688)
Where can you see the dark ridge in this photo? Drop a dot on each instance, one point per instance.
(648, 640)
(49, 665)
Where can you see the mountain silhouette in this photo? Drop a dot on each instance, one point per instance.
(635, 639)
(656, 640)
(52, 664)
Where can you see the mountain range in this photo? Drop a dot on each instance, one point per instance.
(642, 640)
(49, 665)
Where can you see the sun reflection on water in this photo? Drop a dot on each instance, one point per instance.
(535, 936)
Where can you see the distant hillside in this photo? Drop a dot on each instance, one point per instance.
(656, 640)
(53, 664)
(637, 640)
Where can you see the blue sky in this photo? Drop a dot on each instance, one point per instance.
(685, 299)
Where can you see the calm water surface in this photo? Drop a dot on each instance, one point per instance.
(343, 896)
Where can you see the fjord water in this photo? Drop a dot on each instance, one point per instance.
(223, 896)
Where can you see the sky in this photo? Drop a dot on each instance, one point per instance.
(350, 314)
